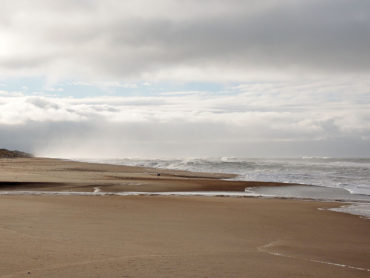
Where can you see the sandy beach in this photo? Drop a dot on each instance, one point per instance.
(64, 175)
(166, 236)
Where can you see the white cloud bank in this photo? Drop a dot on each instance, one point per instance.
(258, 119)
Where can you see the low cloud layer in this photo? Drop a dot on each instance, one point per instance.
(190, 40)
(284, 118)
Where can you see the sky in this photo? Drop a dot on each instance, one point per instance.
(171, 78)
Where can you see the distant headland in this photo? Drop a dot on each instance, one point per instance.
(4, 153)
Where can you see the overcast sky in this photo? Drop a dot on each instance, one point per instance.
(109, 78)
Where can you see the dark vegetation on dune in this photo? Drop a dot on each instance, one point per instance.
(4, 153)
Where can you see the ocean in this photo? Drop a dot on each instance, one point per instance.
(337, 179)
(351, 174)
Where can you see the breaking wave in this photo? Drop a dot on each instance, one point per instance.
(351, 174)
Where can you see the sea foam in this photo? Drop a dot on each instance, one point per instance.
(350, 174)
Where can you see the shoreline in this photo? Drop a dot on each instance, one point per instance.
(226, 194)
(355, 208)
(50, 173)
(50, 176)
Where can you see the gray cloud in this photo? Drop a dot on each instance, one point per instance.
(122, 40)
(312, 57)
(286, 118)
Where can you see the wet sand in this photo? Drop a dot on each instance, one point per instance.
(168, 236)
(63, 175)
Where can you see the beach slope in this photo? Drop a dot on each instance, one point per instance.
(166, 236)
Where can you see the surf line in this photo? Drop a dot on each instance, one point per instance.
(264, 247)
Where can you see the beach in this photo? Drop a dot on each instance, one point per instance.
(166, 236)
(71, 176)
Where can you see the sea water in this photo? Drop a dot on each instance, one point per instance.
(351, 174)
(346, 179)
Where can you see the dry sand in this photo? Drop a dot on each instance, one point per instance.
(158, 236)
